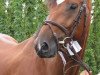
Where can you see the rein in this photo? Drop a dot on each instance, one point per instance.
(68, 39)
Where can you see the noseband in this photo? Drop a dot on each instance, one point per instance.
(75, 24)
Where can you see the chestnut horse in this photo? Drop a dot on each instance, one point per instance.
(45, 53)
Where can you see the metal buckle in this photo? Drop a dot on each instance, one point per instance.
(63, 42)
(65, 45)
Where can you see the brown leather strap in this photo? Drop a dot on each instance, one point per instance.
(61, 27)
(75, 23)
(78, 60)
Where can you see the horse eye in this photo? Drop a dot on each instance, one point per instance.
(73, 6)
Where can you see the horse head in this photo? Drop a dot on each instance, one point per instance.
(66, 21)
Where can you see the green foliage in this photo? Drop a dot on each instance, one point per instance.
(22, 17)
(92, 56)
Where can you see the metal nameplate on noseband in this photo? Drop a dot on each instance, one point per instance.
(75, 45)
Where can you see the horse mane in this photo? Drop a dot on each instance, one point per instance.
(89, 5)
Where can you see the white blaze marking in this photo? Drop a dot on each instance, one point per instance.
(60, 1)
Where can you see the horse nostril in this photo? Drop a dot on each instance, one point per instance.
(44, 46)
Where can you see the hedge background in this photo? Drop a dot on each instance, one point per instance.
(21, 18)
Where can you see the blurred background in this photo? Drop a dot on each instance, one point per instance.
(21, 18)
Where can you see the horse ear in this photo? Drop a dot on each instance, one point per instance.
(50, 3)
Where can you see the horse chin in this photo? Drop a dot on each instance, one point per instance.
(41, 54)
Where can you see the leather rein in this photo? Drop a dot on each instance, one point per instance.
(75, 24)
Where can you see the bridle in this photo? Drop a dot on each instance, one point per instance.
(67, 38)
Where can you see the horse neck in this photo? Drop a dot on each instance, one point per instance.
(27, 62)
(23, 58)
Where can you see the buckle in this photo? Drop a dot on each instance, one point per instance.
(63, 42)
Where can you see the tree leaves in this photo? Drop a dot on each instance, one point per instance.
(22, 17)
(93, 48)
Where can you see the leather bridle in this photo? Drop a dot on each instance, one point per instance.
(67, 38)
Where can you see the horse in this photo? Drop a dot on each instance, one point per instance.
(46, 53)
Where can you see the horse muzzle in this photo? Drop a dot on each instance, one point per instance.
(46, 44)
